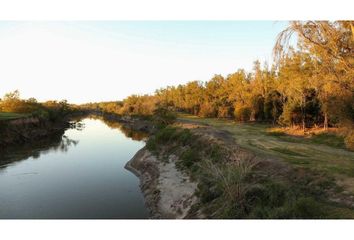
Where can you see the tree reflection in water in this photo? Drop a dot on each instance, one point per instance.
(56, 142)
(128, 132)
(66, 143)
(77, 124)
(60, 142)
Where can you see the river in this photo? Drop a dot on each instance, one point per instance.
(77, 175)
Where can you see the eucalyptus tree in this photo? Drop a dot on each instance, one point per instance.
(331, 45)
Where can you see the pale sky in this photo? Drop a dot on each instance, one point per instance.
(99, 61)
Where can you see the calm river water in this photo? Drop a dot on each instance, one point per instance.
(78, 174)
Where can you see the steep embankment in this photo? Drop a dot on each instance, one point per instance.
(28, 129)
(168, 193)
(195, 171)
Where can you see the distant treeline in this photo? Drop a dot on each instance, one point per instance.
(311, 85)
(49, 110)
(138, 105)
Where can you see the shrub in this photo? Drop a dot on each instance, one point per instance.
(207, 110)
(165, 134)
(208, 189)
(162, 116)
(189, 157)
(151, 144)
(270, 194)
(242, 113)
(185, 136)
(307, 208)
(215, 153)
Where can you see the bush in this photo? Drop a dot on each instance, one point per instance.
(215, 153)
(185, 137)
(242, 113)
(270, 195)
(169, 134)
(162, 136)
(189, 157)
(207, 110)
(166, 134)
(162, 116)
(208, 189)
(306, 208)
(42, 114)
(151, 144)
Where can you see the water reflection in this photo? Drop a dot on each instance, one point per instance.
(127, 131)
(67, 142)
(77, 124)
(74, 174)
(57, 142)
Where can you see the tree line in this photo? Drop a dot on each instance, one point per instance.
(50, 110)
(311, 84)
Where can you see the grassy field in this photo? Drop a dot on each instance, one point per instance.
(325, 152)
(10, 116)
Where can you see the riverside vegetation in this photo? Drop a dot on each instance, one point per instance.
(234, 182)
(272, 143)
(23, 121)
(308, 86)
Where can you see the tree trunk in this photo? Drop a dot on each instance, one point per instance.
(303, 124)
(303, 111)
(325, 122)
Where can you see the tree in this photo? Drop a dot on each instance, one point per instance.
(239, 94)
(193, 96)
(295, 75)
(331, 46)
(273, 106)
(12, 102)
(163, 116)
(309, 84)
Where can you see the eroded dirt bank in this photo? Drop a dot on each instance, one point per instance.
(168, 192)
(195, 171)
(26, 130)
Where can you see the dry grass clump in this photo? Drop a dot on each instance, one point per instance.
(232, 175)
(298, 131)
(335, 137)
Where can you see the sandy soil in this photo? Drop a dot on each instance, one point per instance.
(168, 192)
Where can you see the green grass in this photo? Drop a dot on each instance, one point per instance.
(288, 152)
(328, 139)
(231, 191)
(323, 152)
(11, 116)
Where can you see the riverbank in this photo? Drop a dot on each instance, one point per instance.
(168, 192)
(28, 129)
(76, 175)
(226, 180)
(194, 169)
(133, 123)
